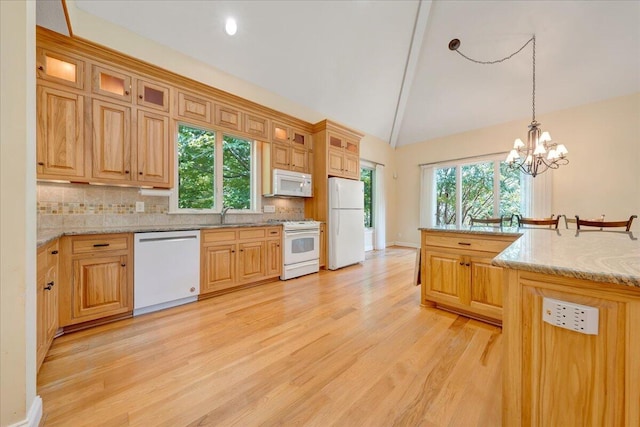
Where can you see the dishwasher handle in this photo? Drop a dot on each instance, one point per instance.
(168, 239)
(100, 245)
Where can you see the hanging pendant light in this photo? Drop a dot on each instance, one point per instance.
(539, 153)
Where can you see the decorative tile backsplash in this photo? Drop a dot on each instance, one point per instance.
(73, 206)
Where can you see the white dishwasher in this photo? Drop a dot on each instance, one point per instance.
(166, 269)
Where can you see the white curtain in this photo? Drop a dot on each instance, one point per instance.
(427, 196)
(379, 216)
(541, 192)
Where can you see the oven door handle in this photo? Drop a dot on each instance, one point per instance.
(311, 232)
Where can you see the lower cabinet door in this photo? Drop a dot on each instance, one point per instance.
(100, 287)
(274, 258)
(219, 268)
(251, 261)
(486, 287)
(445, 277)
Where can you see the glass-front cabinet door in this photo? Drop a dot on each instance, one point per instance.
(111, 83)
(60, 68)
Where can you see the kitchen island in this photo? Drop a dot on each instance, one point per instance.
(558, 376)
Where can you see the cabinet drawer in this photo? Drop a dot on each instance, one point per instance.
(468, 243)
(274, 232)
(214, 236)
(252, 233)
(99, 244)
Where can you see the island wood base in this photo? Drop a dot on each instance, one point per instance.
(557, 377)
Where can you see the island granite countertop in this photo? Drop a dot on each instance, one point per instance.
(47, 235)
(600, 256)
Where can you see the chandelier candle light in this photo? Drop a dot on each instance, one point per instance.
(539, 153)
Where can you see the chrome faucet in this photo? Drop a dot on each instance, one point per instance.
(223, 213)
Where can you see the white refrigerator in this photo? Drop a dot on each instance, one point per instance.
(346, 222)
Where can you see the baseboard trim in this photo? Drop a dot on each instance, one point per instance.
(33, 416)
(407, 244)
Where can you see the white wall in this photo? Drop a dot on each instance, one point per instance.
(603, 140)
(17, 213)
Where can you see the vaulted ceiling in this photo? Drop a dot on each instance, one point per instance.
(383, 67)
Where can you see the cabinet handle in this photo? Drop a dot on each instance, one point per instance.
(140, 96)
(461, 263)
(192, 289)
(41, 163)
(241, 250)
(100, 245)
(139, 173)
(126, 171)
(123, 265)
(41, 68)
(464, 243)
(49, 286)
(54, 252)
(233, 252)
(126, 92)
(467, 264)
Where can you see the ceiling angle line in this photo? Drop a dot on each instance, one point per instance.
(417, 37)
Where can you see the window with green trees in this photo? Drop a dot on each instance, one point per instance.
(482, 190)
(214, 170)
(366, 176)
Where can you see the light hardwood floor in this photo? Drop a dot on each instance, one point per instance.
(346, 348)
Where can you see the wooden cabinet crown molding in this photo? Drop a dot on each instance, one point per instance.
(85, 48)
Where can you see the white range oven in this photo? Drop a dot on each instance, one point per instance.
(301, 248)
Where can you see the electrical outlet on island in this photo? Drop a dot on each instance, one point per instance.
(139, 206)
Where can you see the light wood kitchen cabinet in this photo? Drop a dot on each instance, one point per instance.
(343, 156)
(457, 273)
(111, 141)
(60, 134)
(237, 257)
(251, 261)
(559, 377)
(193, 107)
(111, 83)
(153, 150)
(274, 257)
(288, 157)
(60, 68)
(97, 278)
(256, 126)
(152, 95)
(47, 299)
(336, 152)
(290, 135)
(228, 117)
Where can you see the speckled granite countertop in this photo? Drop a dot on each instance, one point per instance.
(45, 236)
(601, 256)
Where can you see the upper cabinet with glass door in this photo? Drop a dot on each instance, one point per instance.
(64, 69)
(296, 137)
(110, 82)
(153, 95)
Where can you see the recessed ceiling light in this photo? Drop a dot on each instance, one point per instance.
(231, 27)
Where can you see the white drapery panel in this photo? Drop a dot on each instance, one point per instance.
(427, 196)
(379, 216)
(540, 191)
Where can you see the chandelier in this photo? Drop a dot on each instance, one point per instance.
(539, 153)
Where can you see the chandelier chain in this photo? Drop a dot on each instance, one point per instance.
(533, 97)
(532, 39)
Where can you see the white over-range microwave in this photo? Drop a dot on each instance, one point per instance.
(290, 184)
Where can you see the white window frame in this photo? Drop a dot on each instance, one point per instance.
(536, 194)
(255, 200)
